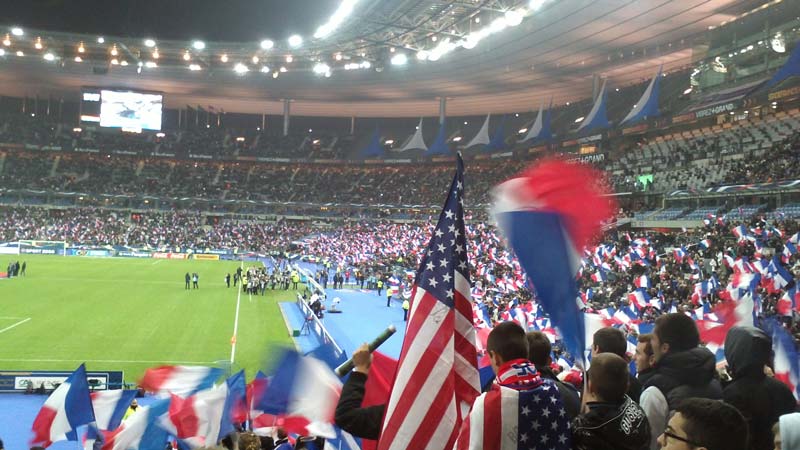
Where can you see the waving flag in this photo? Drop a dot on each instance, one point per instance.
(642, 282)
(437, 376)
(639, 298)
(740, 232)
(179, 380)
(679, 254)
(110, 407)
(305, 389)
(599, 276)
(141, 431)
(67, 408)
(705, 244)
(789, 249)
(548, 214)
(787, 361)
(789, 302)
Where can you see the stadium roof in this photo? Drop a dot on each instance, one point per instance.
(555, 52)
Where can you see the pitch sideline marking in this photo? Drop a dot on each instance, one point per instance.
(236, 318)
(15, 325)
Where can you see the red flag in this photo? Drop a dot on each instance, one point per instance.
(378, 387)
(437, 377)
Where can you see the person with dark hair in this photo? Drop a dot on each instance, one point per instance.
(644, 358)
(249, 441)
(539, 349)
(282, 440)
(760, 399)
(188, 279)
(682, 370)
(611, 420)
(701, 423)
(526, 410)
(612, 340)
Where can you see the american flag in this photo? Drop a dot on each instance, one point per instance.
(437, 376)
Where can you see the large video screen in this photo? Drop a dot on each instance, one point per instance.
(131, 110)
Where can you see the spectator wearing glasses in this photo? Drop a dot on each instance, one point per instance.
(703, 424)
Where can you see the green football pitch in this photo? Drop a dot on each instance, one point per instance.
(131, 314)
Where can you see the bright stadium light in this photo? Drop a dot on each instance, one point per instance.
(264, 69)
(187, 56)
(254, 59)
(295, 41)
(20, 53)
(151, 64)
(289, 58)
(78, 59)
(321, 69)
(536, 4)
(194, 67)
(2, 52)
(49, 56)
(198, 45)
(149, 43)
(240, 68)
(579, 119)
(422, 55)
(282, 70)
(224, 57)
(342, 12)
(514, 17)
(267, 44)
(17, 31)
(101, 40)
(523, 130)
(399, 59)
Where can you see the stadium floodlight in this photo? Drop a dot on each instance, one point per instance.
(399, 59)
(198, 45)
(20, 53)
(101, 40)
(17, 31)
(523, 130)
(267, 44)
(124, 63)
(579, 119)
(149, 43)
(240, 68)
(49, 56)
(151, 64)
(2, 52)
(224, 57)
(295, 41)
(254, 59)
(536, 4)
(422, 55)
(342, 12)
(321, 69)
(389, 142)
(194, 67)
(514, 17)
(274, 74)
(289, 58)
(187, 56)
(264, 69)
(78, 59)
(457, 139)
(282, 70)
(7, 41)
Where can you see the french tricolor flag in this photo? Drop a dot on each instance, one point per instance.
(789, 249)
(789, 302)
(787, 361)
(642, 282)
(179, 380)
(639, 298)
(109, 409)
(679, 254)
(705, 244)
(142, 430)
(303, 388)
(548, 214)
(67, 408)
(740, 232)
(599, 276)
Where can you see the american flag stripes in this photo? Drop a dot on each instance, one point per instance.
(437, 377)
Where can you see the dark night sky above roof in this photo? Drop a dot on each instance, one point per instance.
(211, 20)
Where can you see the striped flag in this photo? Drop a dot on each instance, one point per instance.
(437, 377)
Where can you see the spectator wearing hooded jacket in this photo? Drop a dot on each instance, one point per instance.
(611, 420)
(682, 370)
(760, 399)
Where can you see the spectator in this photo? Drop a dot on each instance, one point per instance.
(350, 415)
(539, 349)
(787, 432)
(760, 399)
(612, 340)
(644, 358)
(611, 420)
(682, 370)
(542, 418)
(701, 423)
(249, 441)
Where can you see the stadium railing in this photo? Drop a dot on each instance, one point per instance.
(331, 352)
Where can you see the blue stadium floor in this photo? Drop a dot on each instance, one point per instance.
(364, 316)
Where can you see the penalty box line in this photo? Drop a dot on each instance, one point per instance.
(15, 325)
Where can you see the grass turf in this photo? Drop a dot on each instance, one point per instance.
(131, 314)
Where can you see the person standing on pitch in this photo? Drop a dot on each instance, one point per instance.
(406, 306)
(228, 280)
(24, 265)
(188, 280)
(195, 280)
(388, 297)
